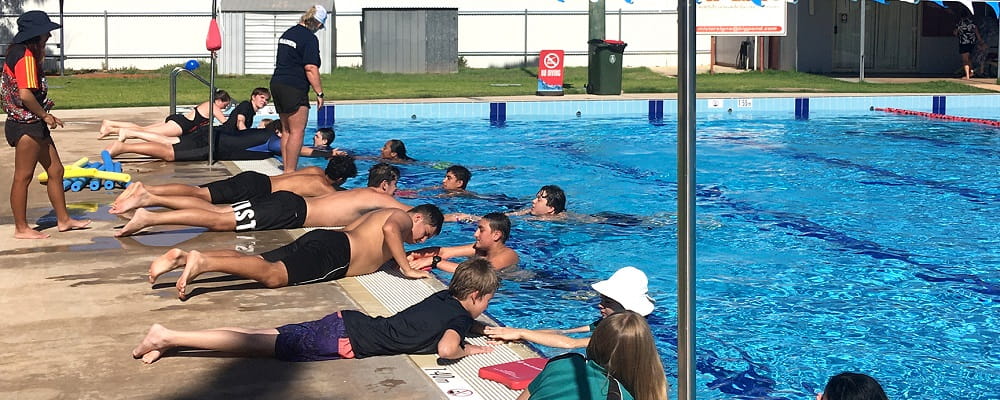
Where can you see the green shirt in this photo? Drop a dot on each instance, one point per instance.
(572, 378)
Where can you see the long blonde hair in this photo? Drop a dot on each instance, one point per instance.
(623, 343)
(309, 19)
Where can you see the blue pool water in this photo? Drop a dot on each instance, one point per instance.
(865, 242)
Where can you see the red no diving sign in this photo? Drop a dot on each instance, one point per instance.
(550, 72)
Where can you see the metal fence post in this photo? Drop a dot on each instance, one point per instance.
(525, 62)
(107, 65)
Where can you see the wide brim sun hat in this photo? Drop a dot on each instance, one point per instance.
(33, 23)
(627, 286)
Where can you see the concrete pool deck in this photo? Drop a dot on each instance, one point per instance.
(74, 305)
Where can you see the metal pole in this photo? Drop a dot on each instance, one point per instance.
(861, 54)
(525, 61)
(211, 103)
(62, 41)
(686, 129)
(619, 24)
(107, 65)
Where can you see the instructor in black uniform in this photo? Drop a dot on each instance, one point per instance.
(296, 68)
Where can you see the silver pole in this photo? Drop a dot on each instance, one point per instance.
(619, 24)
(211, 103)
(525, 62)
(62, 42)
(861, 68)
(107, 65)
(686, 128)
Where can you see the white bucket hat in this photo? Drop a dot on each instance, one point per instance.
(628, 287)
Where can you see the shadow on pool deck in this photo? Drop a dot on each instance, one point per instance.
(74, 305)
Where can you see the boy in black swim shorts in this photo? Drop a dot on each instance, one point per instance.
(445, 319)
(319, 255)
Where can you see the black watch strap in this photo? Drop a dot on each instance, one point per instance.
(435, 261)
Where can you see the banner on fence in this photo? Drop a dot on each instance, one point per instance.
(742, 18)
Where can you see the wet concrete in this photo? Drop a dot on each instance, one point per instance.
(73, 306)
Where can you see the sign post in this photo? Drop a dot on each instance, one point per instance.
(550, 73)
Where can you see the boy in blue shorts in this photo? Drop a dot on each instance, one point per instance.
(438, 324)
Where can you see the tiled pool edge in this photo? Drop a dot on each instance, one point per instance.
(498, 111)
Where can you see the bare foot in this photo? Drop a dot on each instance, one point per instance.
(169, 261)
(106, 129)
(126, 193)
(121, 136)
(72, 224)
(127, 215)
(193, 268)
(153, 345)
(137, 198)
(115, 148)
(138, 221)
(29, 233)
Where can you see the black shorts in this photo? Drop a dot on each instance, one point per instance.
(319, 255)
(966, 48)
(288, 99)
(245, 185)
(279, 210)
(192, 147)
(14, 130)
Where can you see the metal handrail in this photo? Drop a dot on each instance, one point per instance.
(173, 86)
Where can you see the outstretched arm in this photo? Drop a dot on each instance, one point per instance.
(542, 337)
(393, 231)
(424, 259)
(450, 346)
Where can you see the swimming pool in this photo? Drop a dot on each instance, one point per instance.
(859, 241)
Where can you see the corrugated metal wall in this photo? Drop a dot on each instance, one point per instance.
(254, 43)
(231, 58)
(410, 40)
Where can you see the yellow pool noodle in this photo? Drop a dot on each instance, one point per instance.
(73, 171)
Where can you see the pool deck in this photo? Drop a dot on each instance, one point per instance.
(74, 305)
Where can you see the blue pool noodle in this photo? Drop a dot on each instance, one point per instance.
(76, 186)
(108, 162)
(66, 184)
(94, 184)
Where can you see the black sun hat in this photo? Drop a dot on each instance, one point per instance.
(33, 23)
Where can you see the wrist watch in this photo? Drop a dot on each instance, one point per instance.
(319, 94)
(435, 261)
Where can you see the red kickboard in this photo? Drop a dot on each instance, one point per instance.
(516, 374)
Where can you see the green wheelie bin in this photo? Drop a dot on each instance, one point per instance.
(604, 69)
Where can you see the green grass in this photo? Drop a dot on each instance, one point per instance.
(152, 88)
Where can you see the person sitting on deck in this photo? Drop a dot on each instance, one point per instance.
(491, 235)
(241, 118)
(621, 363)
(175, 124)
(306, 182)
(438, 324)
(319, 255)
(625, 290)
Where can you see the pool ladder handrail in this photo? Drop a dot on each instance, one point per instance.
(173, 86)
